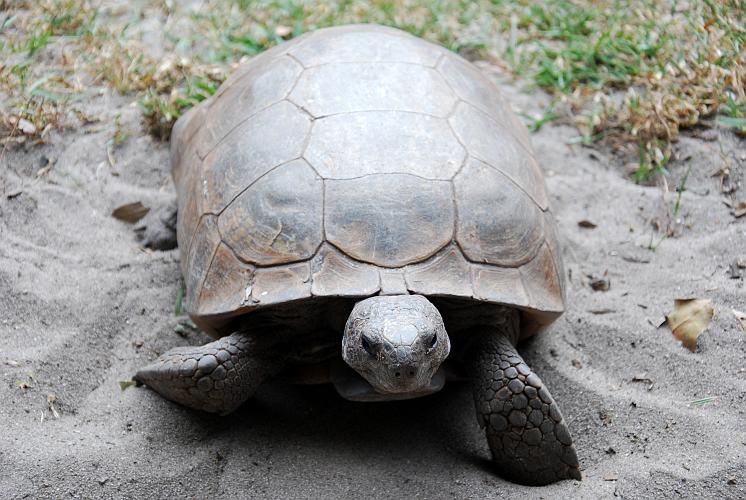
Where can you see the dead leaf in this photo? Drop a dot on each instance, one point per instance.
(734, 271)
(611, 476)
(740, 209)
(126, 384)
(599, 284)
(51, 398)
(587, 224)
(26, 126)
(606, 417)
(131, 212)
(689, 319)
(741, 317)
(643, 378)
(601, 311)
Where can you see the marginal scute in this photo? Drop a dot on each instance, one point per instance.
(337, 275)
(278, 219)
(392, 282)
(263, 84)
(275, 285)
(337, 45)
(499, 284)
(183, 142)
(492, 143)
(224, 288)
(474, 87)
(445, 274)
(356, 144)
(553, 242)
(498, 223)
(199, 258)
(348, 87)
(190, 202)
(389, 220)
(253, 149)
(542, 282)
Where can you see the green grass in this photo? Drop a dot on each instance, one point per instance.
(703, 401)
(630, 71)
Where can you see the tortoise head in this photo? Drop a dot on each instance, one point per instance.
(395, 342)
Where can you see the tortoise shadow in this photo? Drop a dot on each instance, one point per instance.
(442, 425)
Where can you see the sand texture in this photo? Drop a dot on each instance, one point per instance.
(82, 306)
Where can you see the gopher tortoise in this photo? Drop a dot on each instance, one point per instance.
(358, 183)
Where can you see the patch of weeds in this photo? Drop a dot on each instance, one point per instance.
(535, 123)
(733, 115)
(631, 71)
(161, 111)
(653, 158)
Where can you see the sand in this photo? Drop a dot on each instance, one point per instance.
(82, 306)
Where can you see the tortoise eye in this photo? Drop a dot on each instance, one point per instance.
(367, 346)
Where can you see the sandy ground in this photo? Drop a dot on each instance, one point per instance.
(82, 306)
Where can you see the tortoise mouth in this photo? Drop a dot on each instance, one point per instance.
(354, 387)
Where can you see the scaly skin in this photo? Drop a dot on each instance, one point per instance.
(216, 377)
(525, 430)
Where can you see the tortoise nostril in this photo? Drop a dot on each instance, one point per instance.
(367, 345)
(397, 374)
(433, 340)
(411, 373)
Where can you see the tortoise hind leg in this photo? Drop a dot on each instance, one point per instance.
(527, 435)
(216, 377)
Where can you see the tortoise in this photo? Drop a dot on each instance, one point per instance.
(359, 183)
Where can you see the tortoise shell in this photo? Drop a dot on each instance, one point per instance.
(355, 161)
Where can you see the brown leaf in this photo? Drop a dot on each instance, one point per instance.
(601, 284)
(131, 212)
(126, 384)
(689, 319)
(587, 224)
(740, 209)
(741, 317)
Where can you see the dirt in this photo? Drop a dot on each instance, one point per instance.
(82, 306)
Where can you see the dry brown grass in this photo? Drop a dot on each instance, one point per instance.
(630, 73)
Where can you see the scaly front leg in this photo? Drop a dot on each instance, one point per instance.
(216, 377)
(527, 435)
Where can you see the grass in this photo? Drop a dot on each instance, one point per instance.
(630, 74)
(703, 401)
